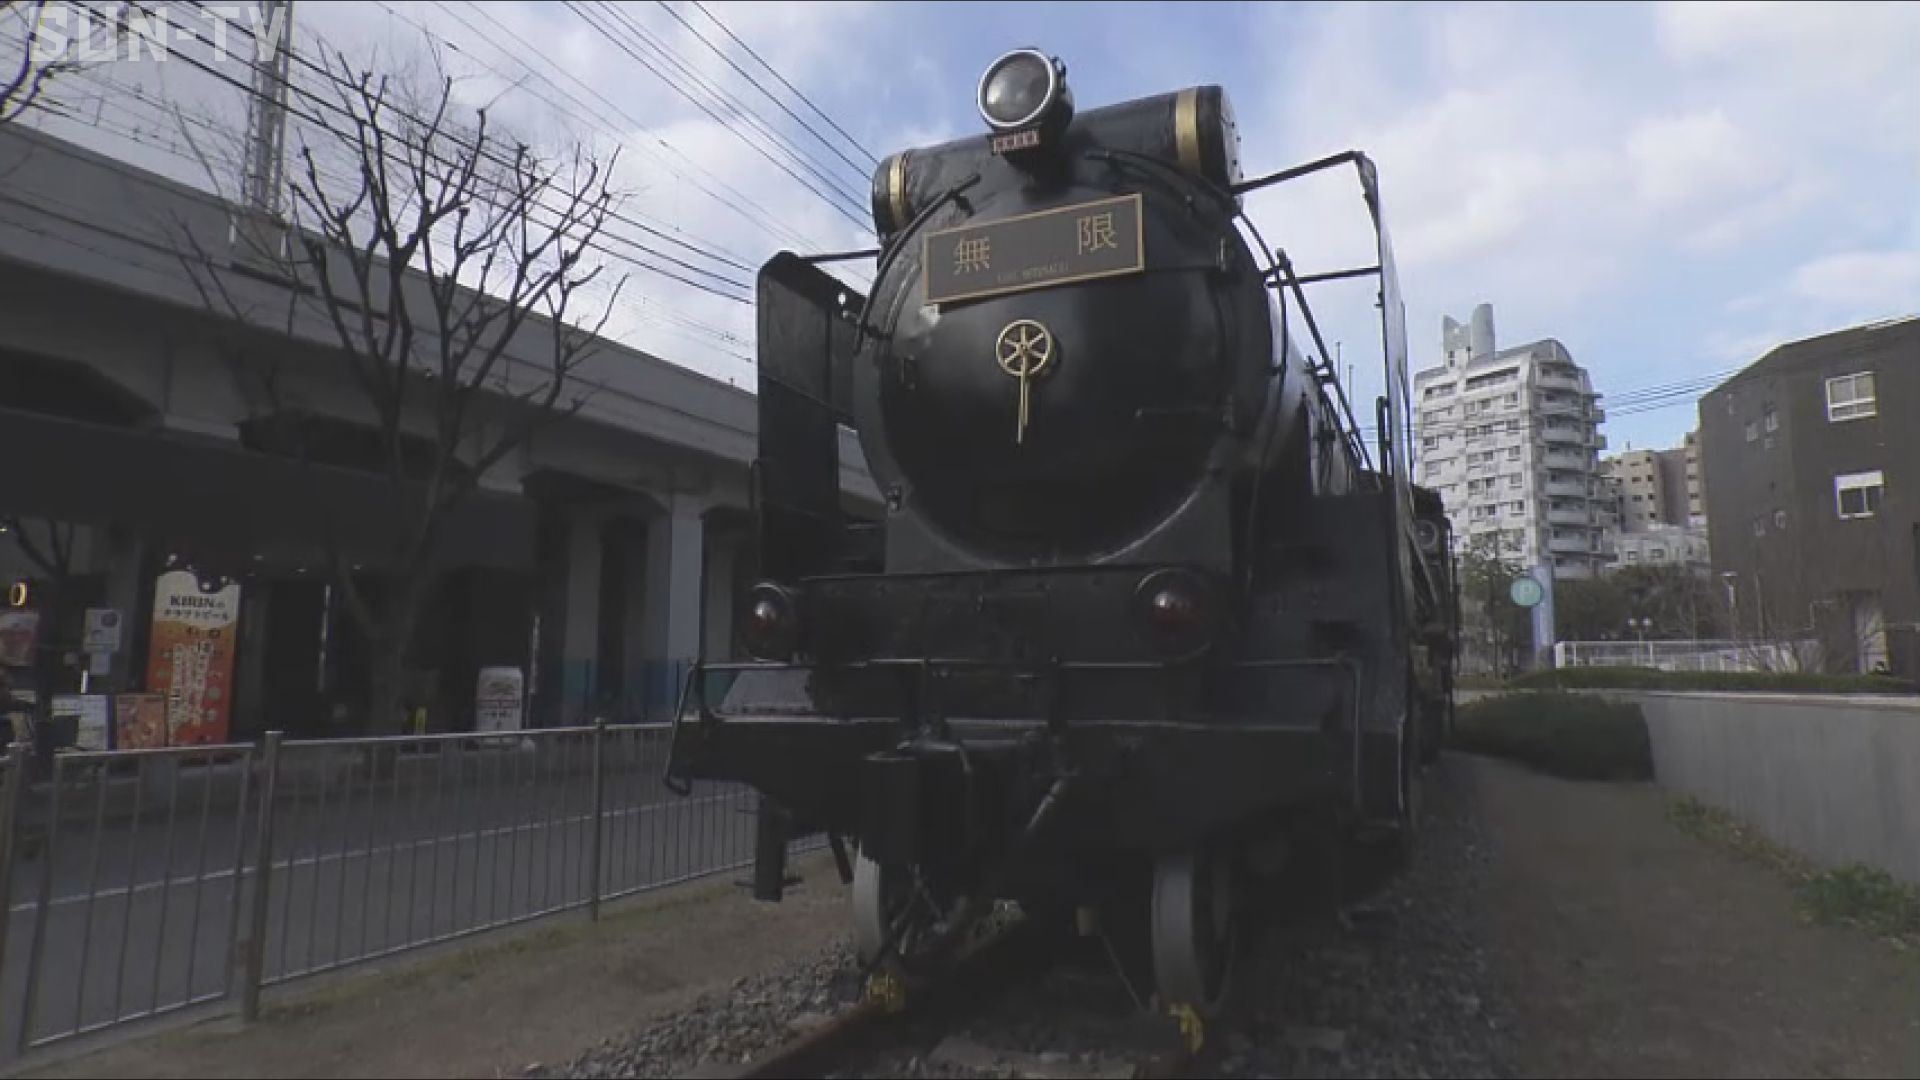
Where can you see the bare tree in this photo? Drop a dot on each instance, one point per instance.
(25, 80)
(22, 78)
(1785, 616)
(444, 260)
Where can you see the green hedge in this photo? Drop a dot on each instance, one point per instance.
(1571, 735)
(1637, 678)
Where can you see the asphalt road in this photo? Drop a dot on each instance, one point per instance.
(141, 906)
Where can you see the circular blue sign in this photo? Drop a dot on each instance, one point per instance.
(1526, 591)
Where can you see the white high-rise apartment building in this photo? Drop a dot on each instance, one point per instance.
(1510, 438)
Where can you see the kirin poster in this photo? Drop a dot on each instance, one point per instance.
(190, 662)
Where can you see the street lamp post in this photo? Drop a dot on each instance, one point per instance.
(1640, 626)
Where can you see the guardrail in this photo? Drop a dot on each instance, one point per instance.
(146, 882)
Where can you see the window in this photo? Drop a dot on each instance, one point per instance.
(1753, 431)
(1850, 397)
(1759, 526)
(1773, 419)
(1858, 494)
(1513, 481)
(1430, 442)
(1779, 519)
(1513, 453)
(1633, 556)
(1657, 554)
(1513, 426)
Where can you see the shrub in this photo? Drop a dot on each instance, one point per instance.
(1570, 735)
(1637, 678)
(1863, 896)
(1857, 895)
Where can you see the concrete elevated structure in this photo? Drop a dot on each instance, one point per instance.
(601, 559)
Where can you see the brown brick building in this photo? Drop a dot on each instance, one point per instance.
(1814, 508)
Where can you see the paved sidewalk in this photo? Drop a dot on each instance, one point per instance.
(503, 1004)
(1633, 949)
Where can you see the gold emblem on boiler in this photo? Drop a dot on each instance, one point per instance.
(1025, 351)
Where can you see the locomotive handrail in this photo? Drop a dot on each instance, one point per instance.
(1322, 370)
(892, 250)
(1336, 275)
(840, 256)
(1297, 171)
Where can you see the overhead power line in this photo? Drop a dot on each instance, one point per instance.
(711, 17)
(758, 85)
(638, 253)
(604, 24)
(609, 117)
(846, 185)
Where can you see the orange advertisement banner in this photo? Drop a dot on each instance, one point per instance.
(139, 721)
(190, 659)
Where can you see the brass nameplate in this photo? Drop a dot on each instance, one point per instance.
(1090, 240)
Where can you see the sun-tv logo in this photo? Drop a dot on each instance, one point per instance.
(89, 34)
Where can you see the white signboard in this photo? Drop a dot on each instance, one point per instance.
(498, 699)
(91, 711)
(103, 630)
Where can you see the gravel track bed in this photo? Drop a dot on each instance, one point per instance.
(1397, 985)
(731, 1027)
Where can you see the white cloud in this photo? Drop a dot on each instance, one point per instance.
(1679, 161)
(1864, 281)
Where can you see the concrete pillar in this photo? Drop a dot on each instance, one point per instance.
(634, 537)
(579, 637)
(675, 542)
(722, 558)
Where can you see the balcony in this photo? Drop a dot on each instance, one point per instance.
(1570, 517)
(1563, 408)
(1573, 434)
(1596, 414)
(1566, 459)
(1571, 545)
(1550, 381)
(1572, 489)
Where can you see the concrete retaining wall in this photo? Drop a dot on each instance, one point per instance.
(1835, 778)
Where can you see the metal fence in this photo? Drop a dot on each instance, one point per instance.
(141, 883)
(1688, 655)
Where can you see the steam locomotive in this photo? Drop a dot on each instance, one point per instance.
(1144, 602)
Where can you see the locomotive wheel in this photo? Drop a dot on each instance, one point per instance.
(890, 910)
(1194, 929)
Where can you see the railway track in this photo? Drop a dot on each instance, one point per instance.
(917, 1021)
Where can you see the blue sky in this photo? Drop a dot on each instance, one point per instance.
(1667, 189)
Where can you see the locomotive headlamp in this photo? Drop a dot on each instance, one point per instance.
(771, 628)
(1023, 88)
(1175, 612)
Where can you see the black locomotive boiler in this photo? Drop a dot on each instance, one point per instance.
(1143, 601)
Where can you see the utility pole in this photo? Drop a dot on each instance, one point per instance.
(260, 184)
